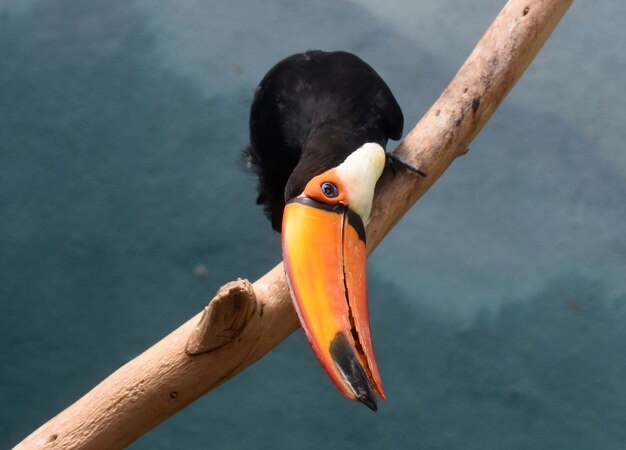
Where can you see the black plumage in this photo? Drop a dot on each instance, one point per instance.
(311, 111)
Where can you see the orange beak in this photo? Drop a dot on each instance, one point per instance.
(324, 253)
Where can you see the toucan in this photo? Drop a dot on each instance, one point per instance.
(319, 125)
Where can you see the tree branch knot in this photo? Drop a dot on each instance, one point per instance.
(225, 317)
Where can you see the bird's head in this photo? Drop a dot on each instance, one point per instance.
(323, 240)
(352, 182)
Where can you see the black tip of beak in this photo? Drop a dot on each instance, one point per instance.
(352, 370)
(370, 402)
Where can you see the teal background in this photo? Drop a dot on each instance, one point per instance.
(498, 303)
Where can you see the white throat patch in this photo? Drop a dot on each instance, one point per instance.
(359, 174)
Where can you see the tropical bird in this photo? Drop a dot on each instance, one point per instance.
(319, 124)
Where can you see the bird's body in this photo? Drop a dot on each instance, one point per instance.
(309, 113)
(319, 123)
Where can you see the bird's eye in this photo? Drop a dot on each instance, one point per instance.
(330, 190)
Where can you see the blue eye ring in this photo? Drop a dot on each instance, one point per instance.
(329, 190)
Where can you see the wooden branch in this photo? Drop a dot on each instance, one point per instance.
(224, 318)
(244, 321)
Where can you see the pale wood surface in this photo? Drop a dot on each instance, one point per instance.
(246, 321)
